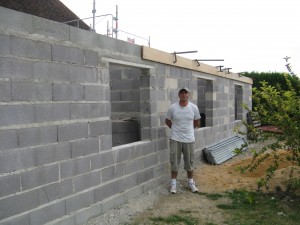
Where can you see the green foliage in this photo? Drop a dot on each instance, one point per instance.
(273, 79)
(249, 208)
(280, 108)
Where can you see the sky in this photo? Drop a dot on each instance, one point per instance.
(249, 35)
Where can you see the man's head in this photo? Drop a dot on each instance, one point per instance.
(184, 89)
(184, 94)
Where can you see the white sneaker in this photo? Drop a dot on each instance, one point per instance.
(173, 188)
(192, 186)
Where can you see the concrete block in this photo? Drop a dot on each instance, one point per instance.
(172, 83)
(23, 219)
(99, 128)
(52, 153)
(50, 28)
(125, 107)
(149, 107)
(175, 72)
(104, 76)
(89, 110)
(115, 96)
(68, 92)
(74, 167)
(125, 84)
(134, 95)
(108, 190)
(103, 160)
(15, 68)
(37, 136)
(8, 139)
(66, 220)
(186, 74)
(16, 160)
(16, 114)
(48, 213)
(91, 58)
(72, 131)
(79, 201)
(28, 91)
(55, 191)
(39, 176)
(105, 142)
(94, 93)
(51, 112)
(151, 160)
(30, 49)
(84, 147)
(145, 133)
(145, 175)
(83, 74)
(133, 166)
(17, 204)
(50, 71)
(14, 20)
(112, 172)
(131, 74)
(123, 126)
(162, 95)
(9, 184)
(130, 182)
(5, 90)
(123, 154)
(84, 215)
(5, 44)
(83, 37)
(67, 54)
(148, 94)
(163, 106)
(125, 138)
(183, 83)
(111, 203)
(87, 181)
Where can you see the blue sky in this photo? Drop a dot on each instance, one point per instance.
(250, 35)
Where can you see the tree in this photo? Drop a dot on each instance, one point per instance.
(280, 108)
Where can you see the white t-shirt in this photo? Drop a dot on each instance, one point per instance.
(182, 118)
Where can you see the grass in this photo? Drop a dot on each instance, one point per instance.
(249, 208)
(245, 208)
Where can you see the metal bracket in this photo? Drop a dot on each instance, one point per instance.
(175, 54)
(227, 70)
(197, 60)
(220, 68)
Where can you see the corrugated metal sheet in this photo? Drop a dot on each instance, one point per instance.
(224, 149)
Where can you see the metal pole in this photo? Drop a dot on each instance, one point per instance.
(94, 13)
(116, 21)
(107, 29)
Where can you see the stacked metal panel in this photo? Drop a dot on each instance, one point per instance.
(224, 149)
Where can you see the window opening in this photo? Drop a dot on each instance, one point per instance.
(125, 104)
(205, 101)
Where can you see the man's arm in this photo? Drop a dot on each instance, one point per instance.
(169, 123)
(197, 124)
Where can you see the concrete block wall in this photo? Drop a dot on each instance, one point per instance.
(59, 111)
(57, 163)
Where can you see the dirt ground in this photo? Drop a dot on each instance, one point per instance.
(209, 179)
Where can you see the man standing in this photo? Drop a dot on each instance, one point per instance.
(182, 118)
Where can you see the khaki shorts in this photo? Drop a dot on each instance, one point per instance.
(178, 148)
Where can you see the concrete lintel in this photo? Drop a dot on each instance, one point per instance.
(126, 63)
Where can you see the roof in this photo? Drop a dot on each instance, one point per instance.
(48, 9)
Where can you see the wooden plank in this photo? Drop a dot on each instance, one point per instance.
(159, 56)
